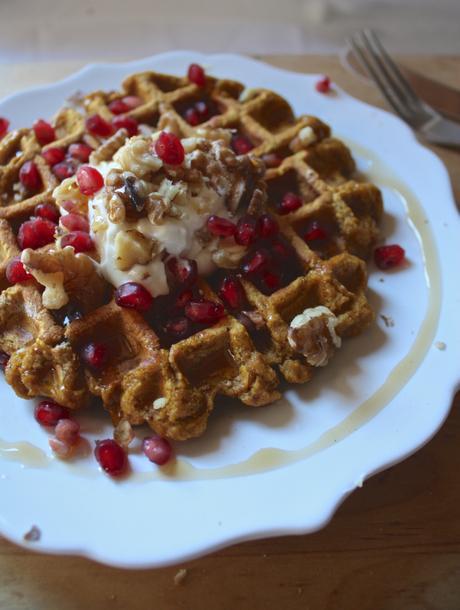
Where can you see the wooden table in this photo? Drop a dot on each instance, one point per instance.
(394, 544)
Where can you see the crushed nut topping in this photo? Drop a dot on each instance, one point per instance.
(312, 333)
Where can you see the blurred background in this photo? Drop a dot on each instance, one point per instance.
(40, 30)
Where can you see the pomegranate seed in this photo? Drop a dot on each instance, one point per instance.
(4, 126)
(80, 152)
(221, 227)
(205, 312)
(247, 230)
(232, 293)
(4, 359)
(126, 122)
(268, 226)
(64, 170)
(386, 257)
(281, 250)
(53, 155)
(48, 211)
(169, 148)
(241, 144)
(157, 449)
(183, 270)
(179, 328)
(192, 117)
(315, 233)
(44, 132)
(272, 160)
(323, 85)
(132, 101)
(62, 450)
(196, 75)
(203, 110)
(118, 107)
(79, 240)
(183, 298)
(289, 203)
(89, 180)
(271, 281)
(67, 431)
(49, 412)
(36, 233)
(98, 126)
(75, 222)
(256, 262)
(111, 457)
(16, 272)
(95, 355)
(133, 296)
(29, 176)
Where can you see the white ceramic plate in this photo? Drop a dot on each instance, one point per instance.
(285, 468)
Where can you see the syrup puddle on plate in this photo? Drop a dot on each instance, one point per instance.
(271, 458)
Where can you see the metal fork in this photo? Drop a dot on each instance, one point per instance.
(399, 94)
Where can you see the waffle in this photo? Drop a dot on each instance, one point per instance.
(173, 387)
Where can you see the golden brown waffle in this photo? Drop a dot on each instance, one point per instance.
(173, 387)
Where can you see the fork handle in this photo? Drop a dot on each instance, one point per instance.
(442, 131)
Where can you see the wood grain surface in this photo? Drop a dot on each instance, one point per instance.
(393, 545)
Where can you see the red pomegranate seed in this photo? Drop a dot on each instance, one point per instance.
(36, 233)
(204, 312)
(157, 449)
(75, 222)
(79, 240)
(4, 126)
(256, 262)
(386, 257)
(169, 148)
(133, 296)
(29, 176)
(272, 160)
(53, 155)
(196, 75)
(268, 227)
(183, 298)
(4, 359)
(69, 206)
(192, 117)
(271, 281)
(98, 126)
(48, 412)
(183, 270)
(323, 85)
(247, 230)
(95, 355)
(111, 457)
(289, 203)
(67, 431)
(64, 170)
(118, 107)
(126, 122)
(16, 272)
(281, 250)
(203, 110)
(48, 211)
(241, 144)
(315, 233)
(221, 227)
(44, 132)
(178, 328)
(232, 293)
(89, 180)
(80, 152)
(132, 101)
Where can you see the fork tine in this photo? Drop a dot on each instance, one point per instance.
(392, 68)
(380, 79)
(395, 76)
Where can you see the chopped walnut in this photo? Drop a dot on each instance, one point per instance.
(229, 257)
(312, 333)
(123, 433)
(137, 157)
(133, 248)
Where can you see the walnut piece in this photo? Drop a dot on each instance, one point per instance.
(312, 333)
